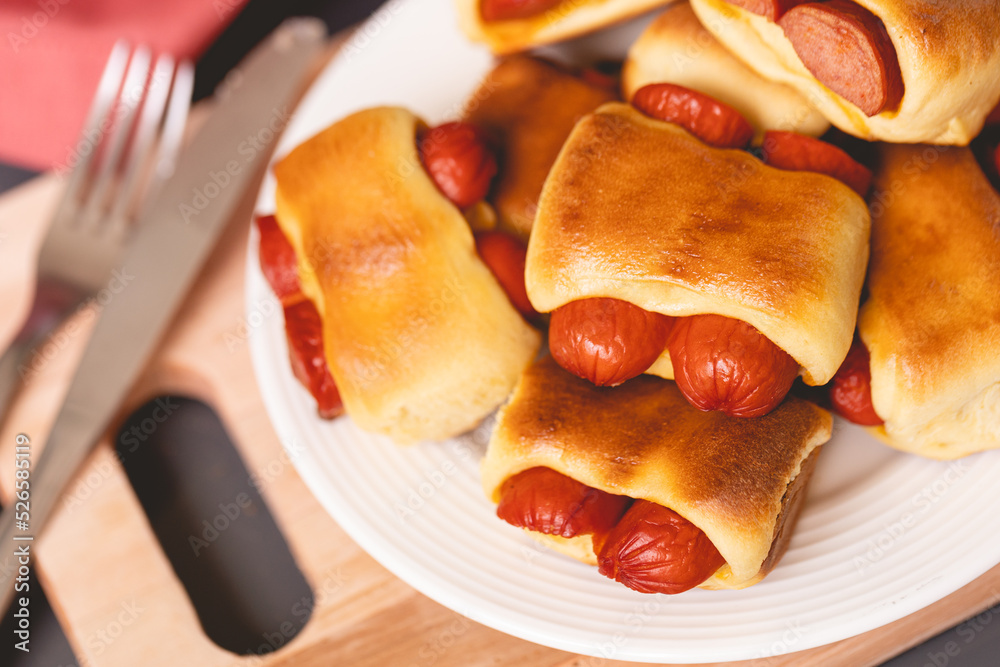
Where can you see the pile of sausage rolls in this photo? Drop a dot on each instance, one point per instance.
(716, 271)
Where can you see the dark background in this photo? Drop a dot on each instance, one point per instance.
(975, 643)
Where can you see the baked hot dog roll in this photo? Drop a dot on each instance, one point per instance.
(529, 106)
(903, 71)
(508, 26)
(676, 48)
(729, 489)
(419, 336)
(928, 362)
(648, 223)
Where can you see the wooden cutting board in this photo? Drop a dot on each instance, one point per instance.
(101, 553)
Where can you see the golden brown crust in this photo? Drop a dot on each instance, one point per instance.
(932, 321)
(581, 547)
(947, 57)
(569, 19)
(419, 336)
(529, 106)
(784, 528)
(642, 439)
(639, 210)
(676, 48)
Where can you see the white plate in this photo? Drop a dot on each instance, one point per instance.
(881, 536)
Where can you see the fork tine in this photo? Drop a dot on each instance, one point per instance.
(173, 128)
(129, 98)
(107, 92)
(143, 144)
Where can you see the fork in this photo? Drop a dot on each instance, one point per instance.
(136, 109)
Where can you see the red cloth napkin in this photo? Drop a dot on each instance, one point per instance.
(53, 52)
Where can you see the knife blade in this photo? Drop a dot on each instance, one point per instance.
(169, 246)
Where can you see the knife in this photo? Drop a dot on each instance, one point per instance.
(169, 246)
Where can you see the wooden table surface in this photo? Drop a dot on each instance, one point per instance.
(101, 553)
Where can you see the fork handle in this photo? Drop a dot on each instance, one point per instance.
(53, 303)
(10, 377)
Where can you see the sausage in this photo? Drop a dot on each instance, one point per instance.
(607, 341)
(605, 74)
(546, 501)
(504, 255)
(304, 331)
(655, 550)
(721, 363)
(848, 50)
(278, 261)
(303, 325)
(772, 10)
(851, 388)
(713, 122)
(797, 152)
(510, 10)
(459, 161)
